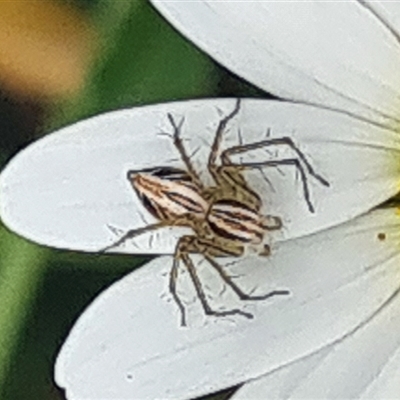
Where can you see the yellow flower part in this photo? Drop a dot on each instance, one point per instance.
(45, 47)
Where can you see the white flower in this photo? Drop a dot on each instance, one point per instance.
(66, 189)
(340, 55)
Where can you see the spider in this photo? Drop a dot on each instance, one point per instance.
(225, 217)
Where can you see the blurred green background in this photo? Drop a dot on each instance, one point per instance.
(61, 61)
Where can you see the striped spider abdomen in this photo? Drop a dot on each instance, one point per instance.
(233, 220)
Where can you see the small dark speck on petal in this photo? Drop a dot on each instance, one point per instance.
(129, 377)
(381, 236)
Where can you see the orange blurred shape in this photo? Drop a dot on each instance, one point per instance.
(45, 48)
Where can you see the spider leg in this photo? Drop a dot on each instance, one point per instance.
(182, 151)
(217, 141)
(200, 292)
(131, 234)
(182, 253)
(242, 295)
(286, 141)
(173, 276)
(276, 163)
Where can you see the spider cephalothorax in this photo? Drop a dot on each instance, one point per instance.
(168, 193)
(225, 217)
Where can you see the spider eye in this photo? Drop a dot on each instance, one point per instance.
(164, 173)
(171, 174)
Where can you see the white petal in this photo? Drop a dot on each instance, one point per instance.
(387, 383)
(388, 11)
(363, 365)
(281, 383)
(128, 343)
(66, 189)
(339, 54)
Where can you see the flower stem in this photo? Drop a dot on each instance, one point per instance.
(21, 272)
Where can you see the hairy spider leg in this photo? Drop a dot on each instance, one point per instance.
(287, 141)
(230, 183)
(131, 234)
(242, 295)
(179, 221)
(192, 245)
(212, 167)
(276, 163)
(186, 245)
(173, 277)
(182, 151)
(226, 161)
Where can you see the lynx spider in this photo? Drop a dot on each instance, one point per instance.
(225, 218)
